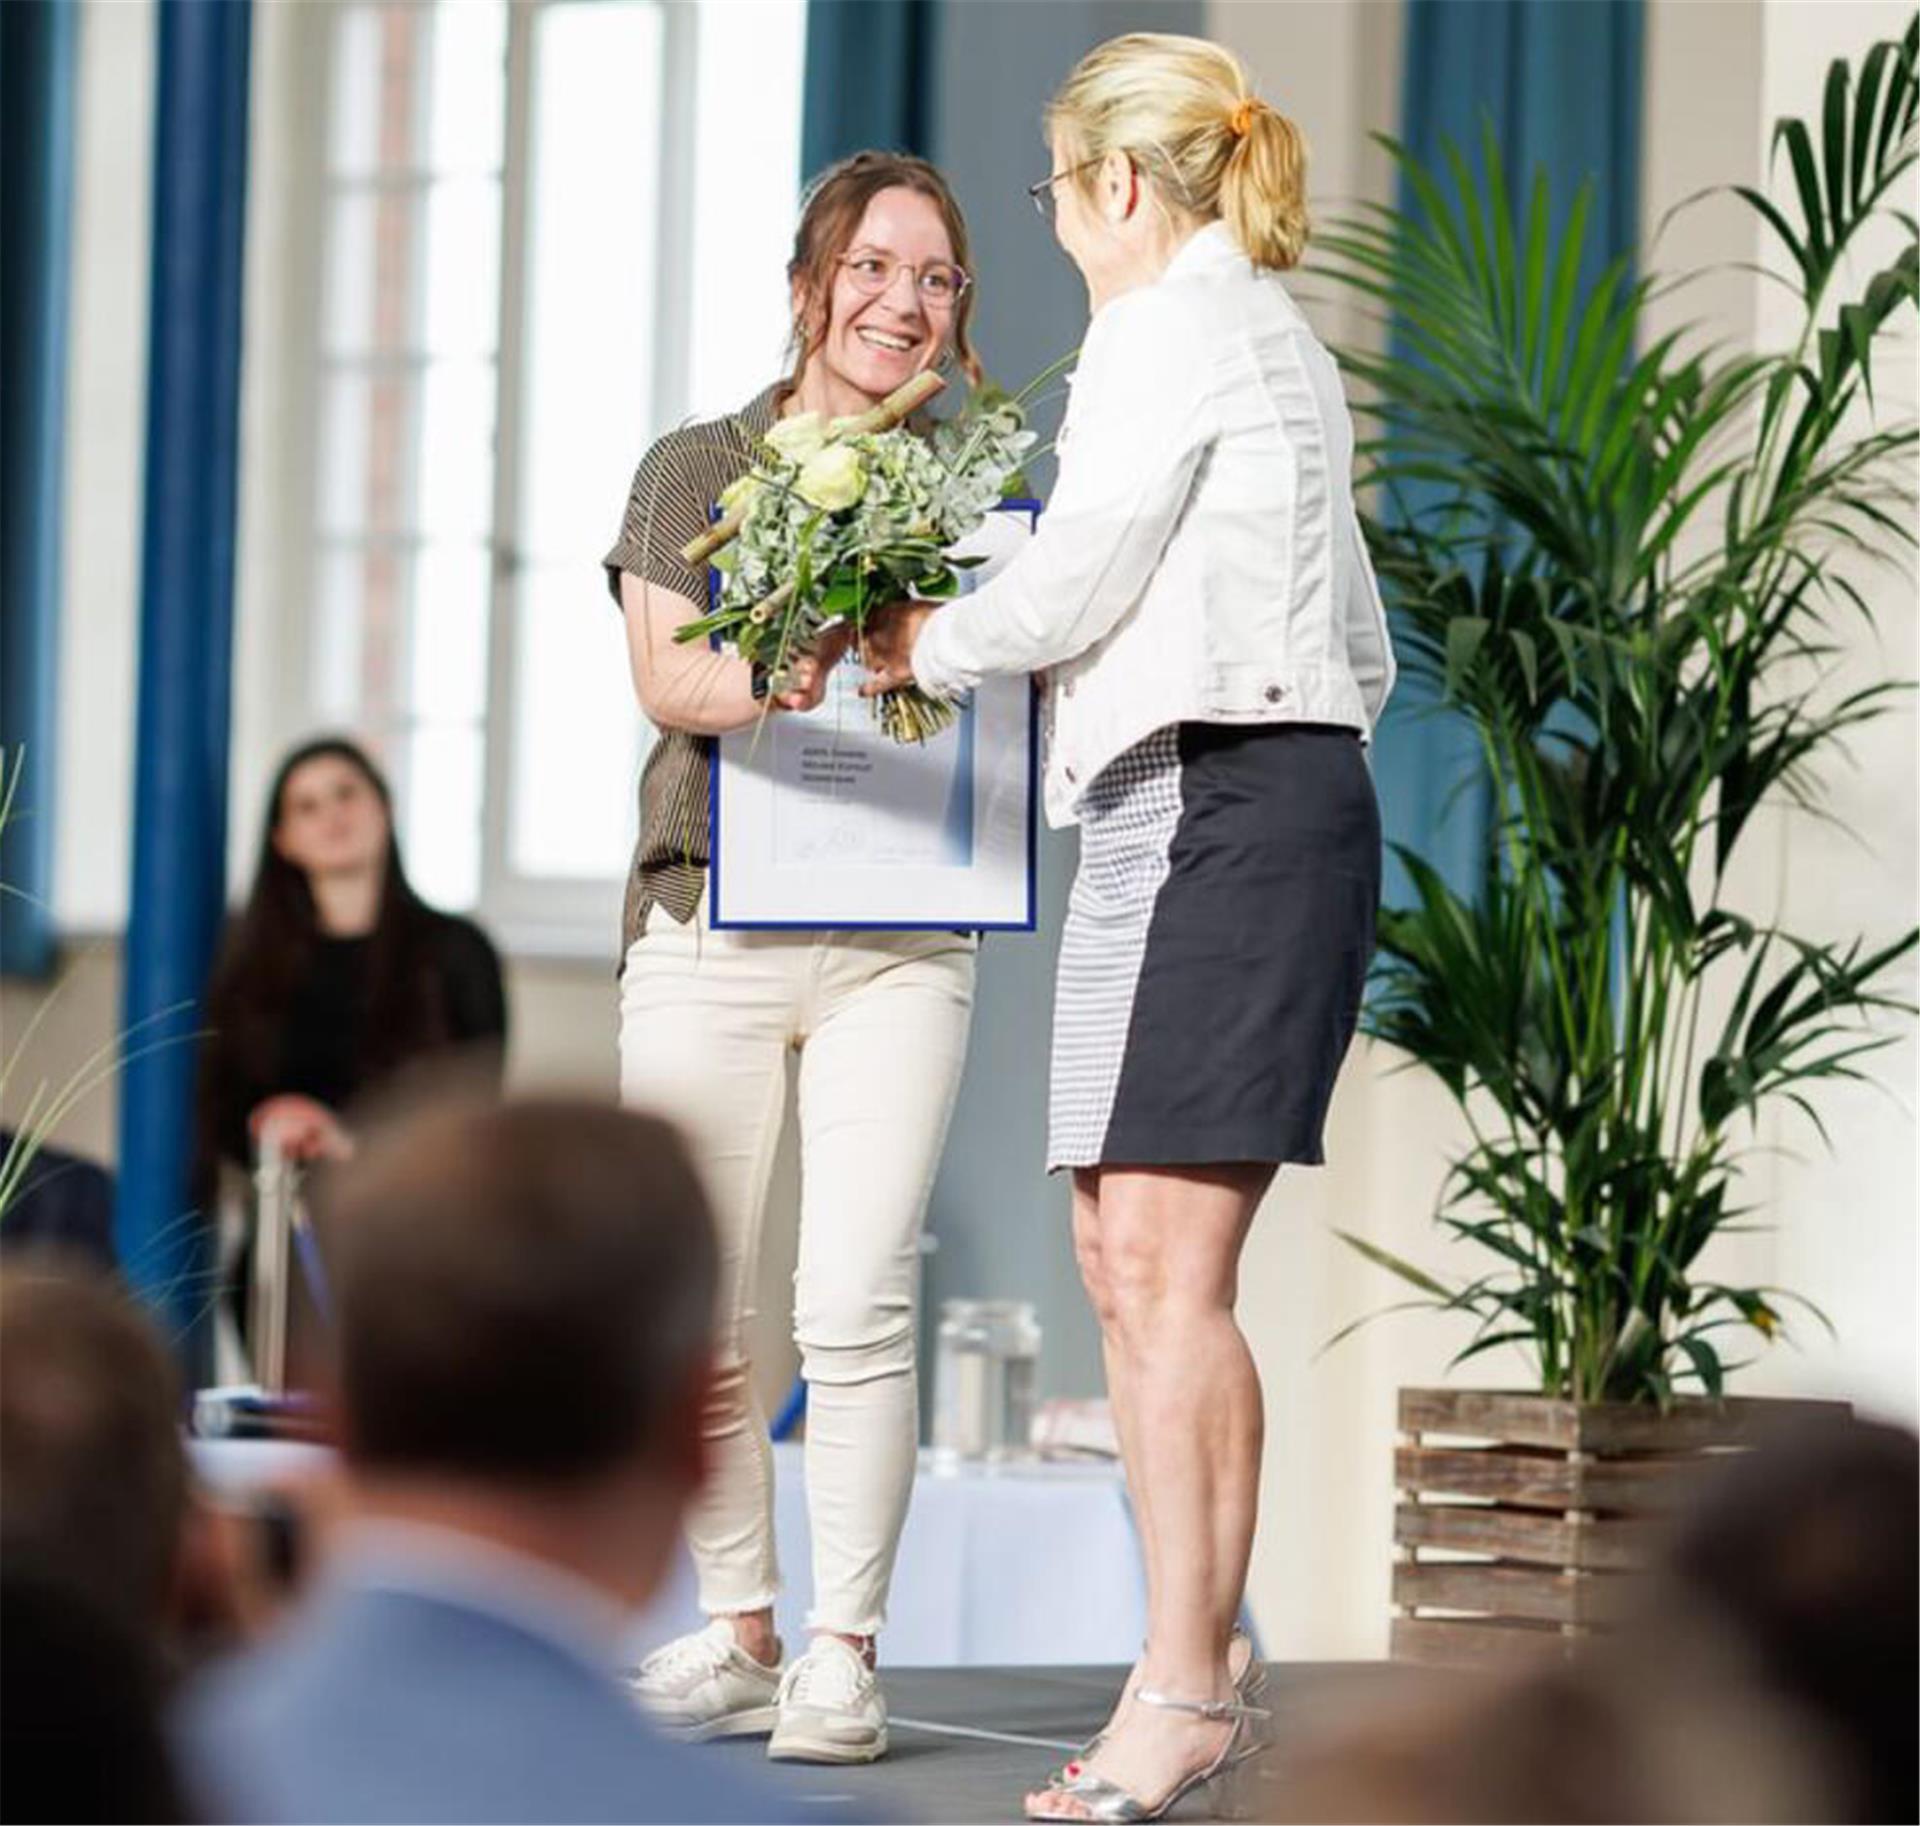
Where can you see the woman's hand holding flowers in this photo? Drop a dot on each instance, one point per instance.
(804, 683)
(887, 645)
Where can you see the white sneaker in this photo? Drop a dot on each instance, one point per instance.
(831, 1710)
(706, 1685)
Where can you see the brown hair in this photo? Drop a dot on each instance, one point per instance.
(523, 1292)
(1184, 111)
(830, 217)
(93, 1477)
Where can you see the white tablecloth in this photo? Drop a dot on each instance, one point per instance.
(1019, 1565)
(1031, 1565)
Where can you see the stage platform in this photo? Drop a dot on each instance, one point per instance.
(968, 1742)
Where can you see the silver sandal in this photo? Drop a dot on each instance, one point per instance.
(1108, 1801)
(1248, 1685)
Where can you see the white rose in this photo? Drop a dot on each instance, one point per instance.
(833, 479)
(738, 495)
(799, 437)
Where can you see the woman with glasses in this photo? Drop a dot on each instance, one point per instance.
(1204, 609)
(708, 1020)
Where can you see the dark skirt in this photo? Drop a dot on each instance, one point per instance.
(1216, 947)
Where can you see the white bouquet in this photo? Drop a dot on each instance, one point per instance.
(838, 517)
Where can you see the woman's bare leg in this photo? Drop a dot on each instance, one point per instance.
(1168, 1243)
(1086, 1248)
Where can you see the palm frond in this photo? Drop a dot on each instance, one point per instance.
(1619, 561)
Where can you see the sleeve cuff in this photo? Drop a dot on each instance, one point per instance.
(935, 670)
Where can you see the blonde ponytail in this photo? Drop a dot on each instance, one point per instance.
(1263, 190)
(1183, 110)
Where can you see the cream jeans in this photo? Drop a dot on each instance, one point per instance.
(879, 1020)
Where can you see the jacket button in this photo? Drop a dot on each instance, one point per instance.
(1071, 775)
(1275, 693)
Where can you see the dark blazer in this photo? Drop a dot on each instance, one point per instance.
(383, 1704)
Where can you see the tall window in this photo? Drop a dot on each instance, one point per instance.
(552, 229)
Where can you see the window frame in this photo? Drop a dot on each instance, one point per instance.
(551, 915)
(535, 915)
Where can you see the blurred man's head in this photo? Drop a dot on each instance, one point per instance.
(93, 1472)
(1807, 1550)
(523, 1298)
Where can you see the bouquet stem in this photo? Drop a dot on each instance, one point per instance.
(909, 715)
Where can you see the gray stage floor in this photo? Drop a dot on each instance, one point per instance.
(968, 1742)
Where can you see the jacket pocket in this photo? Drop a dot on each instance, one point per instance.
(1257, 688)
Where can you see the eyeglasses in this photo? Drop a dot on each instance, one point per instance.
(1042, 192)
(938, 283)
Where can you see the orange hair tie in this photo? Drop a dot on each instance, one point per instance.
(1240, 121)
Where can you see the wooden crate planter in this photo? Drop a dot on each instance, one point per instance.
(1558, 1503)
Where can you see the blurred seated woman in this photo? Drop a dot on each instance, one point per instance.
(336, 976)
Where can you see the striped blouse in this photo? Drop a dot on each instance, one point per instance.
(670, 502)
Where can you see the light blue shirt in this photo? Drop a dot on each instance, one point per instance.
(434, 1676)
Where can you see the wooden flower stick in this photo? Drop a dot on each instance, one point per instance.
(895, 409)
(766, 609)
(899, 406)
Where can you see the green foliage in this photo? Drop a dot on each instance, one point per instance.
(1626, 584)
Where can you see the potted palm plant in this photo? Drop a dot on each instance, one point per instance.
(1620, 561)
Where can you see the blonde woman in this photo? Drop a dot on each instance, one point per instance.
(1216, 655)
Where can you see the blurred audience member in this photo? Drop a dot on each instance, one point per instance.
(1682, 1736)
(111, 1572)
(1810, 1550)
(523, 1297)
(337, 974)
(1767, 1674)
(80, 1734)
(93, 1474)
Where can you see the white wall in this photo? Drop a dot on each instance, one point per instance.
(1846, 1216)
(278, 421)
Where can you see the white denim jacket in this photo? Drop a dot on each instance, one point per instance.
(1200, 560)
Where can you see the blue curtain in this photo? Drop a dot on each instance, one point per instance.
(186, 631)
(869, 79)
(37, 48)
(1560, 81)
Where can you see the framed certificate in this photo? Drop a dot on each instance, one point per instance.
(820, 820)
